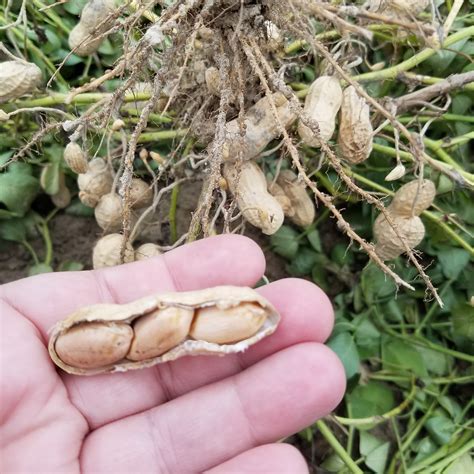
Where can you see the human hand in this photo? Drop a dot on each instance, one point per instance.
(190, 415)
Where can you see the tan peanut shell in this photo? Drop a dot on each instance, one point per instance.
(322, 104)
(95, 339)
(249, 189)
(108, 212)
(62, 198)
(261, 127)
(106, 252)
(413, 198)
(95, 182)
(18, 78)
(75, 158)
(355, 128)
(277, 192)
(147, 251)
(303, 209)
(141, 195)
(85, 38)
(388, 245)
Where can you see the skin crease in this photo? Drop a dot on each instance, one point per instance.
(155, 420)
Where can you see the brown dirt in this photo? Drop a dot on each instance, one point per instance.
(73, 238)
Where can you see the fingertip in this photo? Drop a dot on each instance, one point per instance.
(308, 309)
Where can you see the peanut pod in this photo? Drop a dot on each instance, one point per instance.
(413, 198)
(322, 104)
(107, 252)
(95, 182)
(75, 158)
(160, 328)
(249, 188)
(261, 127)
(355, 128)
(94, 21)
(303, 210)
(388, 245)
(18, 78)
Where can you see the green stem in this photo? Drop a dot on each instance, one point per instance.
(172, 213)
(377, 419)
(415, 60)
(446, 117)
(44, 230)
(431, 312)
(430, 80)
(31, 250)
(162, 135)
(53, 16)
(338, 448)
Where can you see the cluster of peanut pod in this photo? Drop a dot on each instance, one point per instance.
(96, 189)
(160, 328)
(265, 204)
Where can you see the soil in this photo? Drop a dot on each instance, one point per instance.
(73, 238)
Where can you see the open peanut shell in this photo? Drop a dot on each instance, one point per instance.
(222, 298)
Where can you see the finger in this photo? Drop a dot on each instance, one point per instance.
(221, 260)
(274, 398)
(270, 458)
(306, 316)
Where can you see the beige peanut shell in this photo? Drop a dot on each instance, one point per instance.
(387, 244)
(355, 128)
(106, 252)
(86, 37)
(413, 198)
(95, 182)
(322, 104)
(108, 212)
(75, 158)
(141, 195)
(303, 209)
(147, 250)
(221, 300)
(18, 78)
(277, 192)
(261, 127)
(249, 188)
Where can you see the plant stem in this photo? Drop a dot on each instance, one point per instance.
(338, 448)
(44, 230)
(162, 135)
(172, 214)
(377, 419)
(30, 249)
(415, 60)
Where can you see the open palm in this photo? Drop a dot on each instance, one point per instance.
(191, 415)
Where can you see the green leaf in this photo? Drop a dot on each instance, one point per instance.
(18, 189)
(375, 452)
(39, 268)
(372, 399)
(303, 263)
(375, 284)
(451, 406)
(453, 261)
(343, 345)
(462, 465)
(440, 428)
(436, 362)
(76, 208)
(341, 255)
(334, 464)
(285, 242)
(70, 267)
(463, 327)
(424, 448)
(398, 354)
(315, 240)
(13, 230)
(367, 337)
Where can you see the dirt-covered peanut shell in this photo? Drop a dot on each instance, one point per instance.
(141, 194)
(303, 209)
(160, 328)
(213, 80)
(277, 192)
(355, 128)
(108, 212)
(147, 250)
(249, 188)
(106, 252)
(413, 198)
(322, 104)
(95, 182)
(75, 158)
(387, 244)
(261, 127)
(18, 78)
